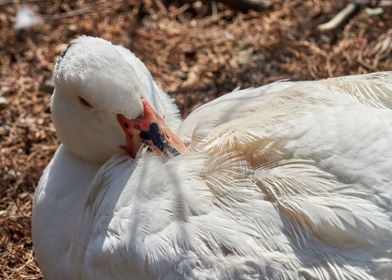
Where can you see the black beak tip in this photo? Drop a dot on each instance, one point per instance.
(158, 140)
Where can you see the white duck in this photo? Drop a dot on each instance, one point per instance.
(291, 180)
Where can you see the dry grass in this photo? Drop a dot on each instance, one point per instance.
(196, 50)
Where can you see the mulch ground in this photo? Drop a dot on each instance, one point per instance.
(196, 50)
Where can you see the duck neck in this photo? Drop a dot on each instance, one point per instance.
(163, 104)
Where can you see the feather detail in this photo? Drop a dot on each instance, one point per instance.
(372, 89)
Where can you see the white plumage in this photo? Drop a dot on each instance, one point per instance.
(26, 18)
(291, 180)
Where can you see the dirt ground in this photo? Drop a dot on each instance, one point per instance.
(196, 50)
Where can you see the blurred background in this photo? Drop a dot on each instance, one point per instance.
(196, 51)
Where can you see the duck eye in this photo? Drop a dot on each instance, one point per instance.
(84, 102)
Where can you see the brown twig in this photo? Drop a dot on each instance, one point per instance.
(82, 11)
(14, 2)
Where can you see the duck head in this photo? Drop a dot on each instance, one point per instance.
(105, 102)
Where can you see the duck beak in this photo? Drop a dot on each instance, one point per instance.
(150, 129)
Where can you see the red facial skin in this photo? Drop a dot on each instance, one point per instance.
(139, 131)
(129, 147)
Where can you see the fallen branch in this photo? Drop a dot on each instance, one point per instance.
(341, 17)
(249, 4)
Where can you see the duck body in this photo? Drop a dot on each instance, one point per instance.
(291, 180)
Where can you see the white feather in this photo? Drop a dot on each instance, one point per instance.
(26, 18)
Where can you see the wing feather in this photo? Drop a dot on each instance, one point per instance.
(373, 89)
